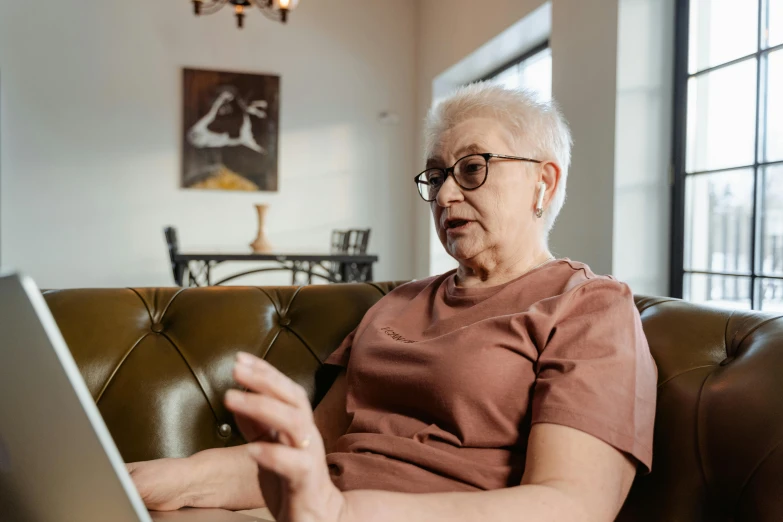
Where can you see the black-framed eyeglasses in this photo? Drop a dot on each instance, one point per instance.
(470, 172)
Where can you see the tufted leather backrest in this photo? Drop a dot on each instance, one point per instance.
(718, 447)
(158, 361)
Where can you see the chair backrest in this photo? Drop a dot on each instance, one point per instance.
(172, 242)
(718, 443)
(339, 245)
(359, 239)
(158, 360)
(340, 241)
(354, 242)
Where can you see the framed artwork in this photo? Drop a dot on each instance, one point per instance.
(230, 130)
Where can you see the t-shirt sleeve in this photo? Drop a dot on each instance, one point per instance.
(340, 356)
(596, 373)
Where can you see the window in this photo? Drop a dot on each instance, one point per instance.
(532, 70)
(727, 240)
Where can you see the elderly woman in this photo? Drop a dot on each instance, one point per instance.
(518, 387)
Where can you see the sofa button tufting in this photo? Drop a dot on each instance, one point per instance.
(285, 321)
(157, 327)
(224, 430)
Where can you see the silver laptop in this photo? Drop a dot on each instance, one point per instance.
(58, 462)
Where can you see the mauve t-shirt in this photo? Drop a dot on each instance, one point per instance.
(444, 382)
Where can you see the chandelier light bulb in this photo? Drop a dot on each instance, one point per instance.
(285, 5)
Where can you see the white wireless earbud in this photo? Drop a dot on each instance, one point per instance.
(540, 202)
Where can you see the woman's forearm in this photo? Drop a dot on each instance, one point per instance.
(529, 503)
(224, 478)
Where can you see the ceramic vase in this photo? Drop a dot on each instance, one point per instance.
(261, 244)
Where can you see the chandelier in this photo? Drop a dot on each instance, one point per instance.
(276, 10)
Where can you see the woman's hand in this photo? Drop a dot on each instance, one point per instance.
(276, 419)
(162, 484)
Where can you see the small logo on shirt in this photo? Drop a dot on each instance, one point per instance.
(394, 335)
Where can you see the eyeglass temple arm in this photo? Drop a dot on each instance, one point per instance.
(518, 158)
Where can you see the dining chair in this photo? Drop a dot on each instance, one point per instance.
(173, 245)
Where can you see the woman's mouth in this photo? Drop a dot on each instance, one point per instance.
(454, 226)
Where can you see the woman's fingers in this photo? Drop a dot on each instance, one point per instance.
(274, 403)
(253, 431)
(289, 463)
(261, 377)
(296, 423)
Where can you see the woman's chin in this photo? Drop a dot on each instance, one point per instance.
(460, 251)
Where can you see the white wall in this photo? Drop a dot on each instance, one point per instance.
(642, 199)
(590, 84)
(90, 99)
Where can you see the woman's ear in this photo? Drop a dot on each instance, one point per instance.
(550, 174)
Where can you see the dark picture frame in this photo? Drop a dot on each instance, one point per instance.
(230, 130)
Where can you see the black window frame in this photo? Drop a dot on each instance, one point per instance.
(543, 46)
(677, 270)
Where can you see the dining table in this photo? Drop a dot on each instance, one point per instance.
(195, 268)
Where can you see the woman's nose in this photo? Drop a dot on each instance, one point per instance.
(449, 193)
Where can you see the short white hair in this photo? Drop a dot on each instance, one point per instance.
(522, 113)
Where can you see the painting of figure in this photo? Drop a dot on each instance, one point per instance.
(230, 130)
